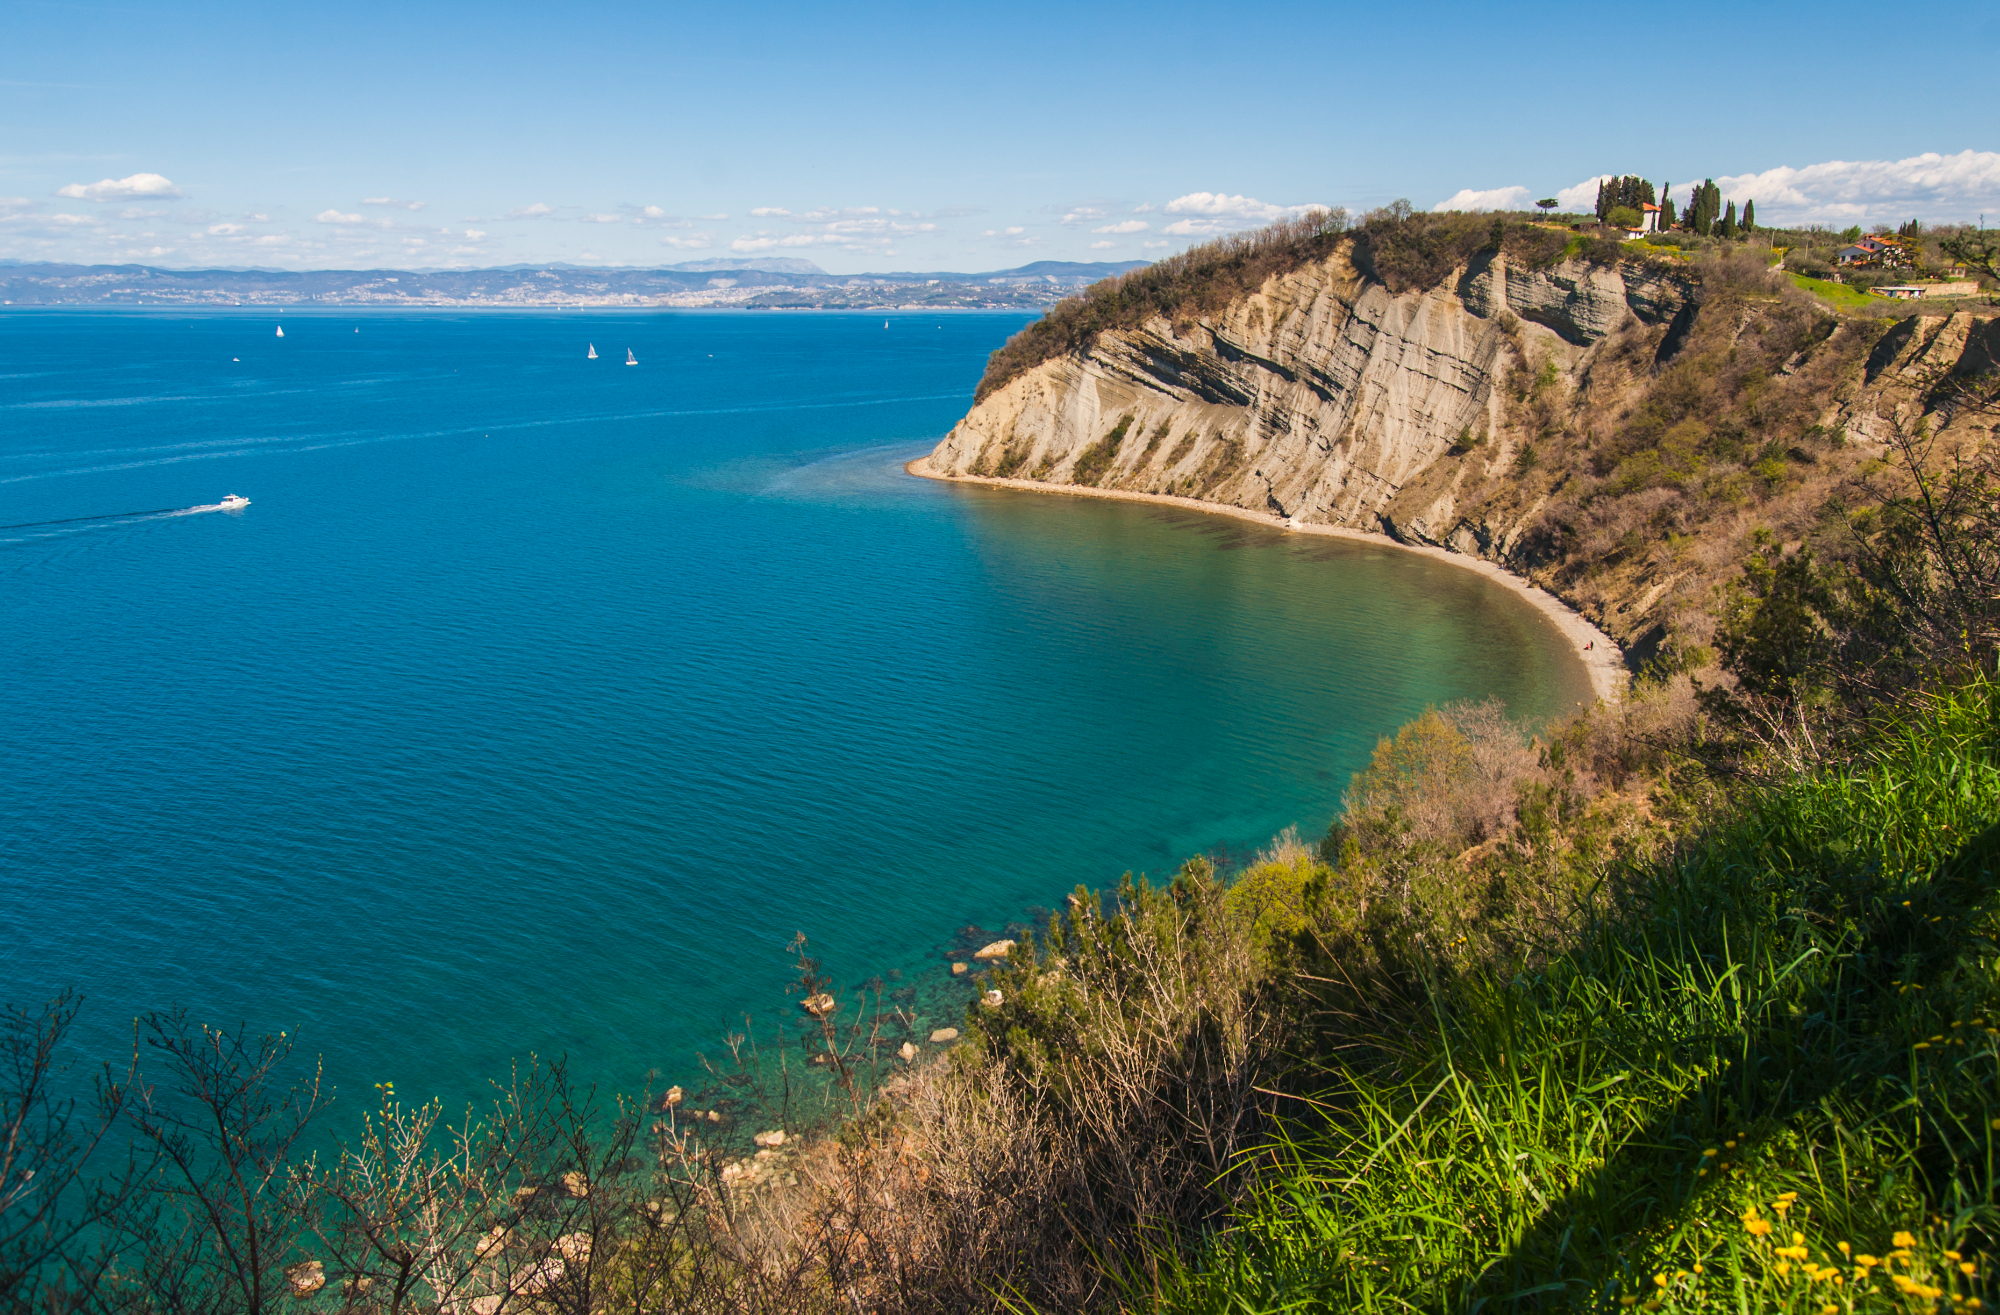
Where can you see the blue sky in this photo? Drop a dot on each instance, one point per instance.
(928, 136)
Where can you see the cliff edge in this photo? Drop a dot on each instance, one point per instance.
(1609, 429)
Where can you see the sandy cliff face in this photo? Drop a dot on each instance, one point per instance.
(1604, 429)
(1323, 397)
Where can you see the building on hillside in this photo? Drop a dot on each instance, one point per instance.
(1649, 222)
(1928, 291)
(1869, 251)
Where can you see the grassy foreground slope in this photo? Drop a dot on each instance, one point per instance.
(1777, 1087)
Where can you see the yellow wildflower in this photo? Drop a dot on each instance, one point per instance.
(1729, 1145)
(1902, 1239)
(1756, 1227)
(1792, 1253)
(1967, 1268)
(1659, 1280)
(1845, 1249)
(1784, 1268)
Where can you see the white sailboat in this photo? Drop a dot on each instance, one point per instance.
(630, 359)
(281, 330)
(593, 353)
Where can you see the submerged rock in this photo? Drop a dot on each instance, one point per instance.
(997, 950)
(960, 969)
(943, 1035)
(775, 1137)
(306, 1277)
(908, 1052)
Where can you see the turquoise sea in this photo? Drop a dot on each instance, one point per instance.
(536, 702)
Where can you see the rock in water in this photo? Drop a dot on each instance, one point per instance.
(960, 969)
(819, 1006)
(775, 1137)
(306, 1277)
(908, 1052)
(997, 950)
(943, 1035)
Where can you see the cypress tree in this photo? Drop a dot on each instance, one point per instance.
(1749, 217)
(1602, 209)
(1666, 206)
(1728, 228)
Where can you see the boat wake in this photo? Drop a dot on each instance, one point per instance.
(230, 502)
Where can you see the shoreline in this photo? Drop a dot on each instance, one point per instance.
(1603, 660)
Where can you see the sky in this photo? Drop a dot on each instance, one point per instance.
(871, 137)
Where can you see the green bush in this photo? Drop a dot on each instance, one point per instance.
(1779, 1065)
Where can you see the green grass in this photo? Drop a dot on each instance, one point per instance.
(1791, 1046)
(1839, 295)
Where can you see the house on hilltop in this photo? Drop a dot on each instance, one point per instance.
(1865, 252)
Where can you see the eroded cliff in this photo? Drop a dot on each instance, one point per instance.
(1510, 412)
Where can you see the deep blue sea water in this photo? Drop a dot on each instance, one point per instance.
(536, 702)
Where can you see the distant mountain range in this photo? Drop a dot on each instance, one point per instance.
(772, 283)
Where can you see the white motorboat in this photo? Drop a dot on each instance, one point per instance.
(232, 502)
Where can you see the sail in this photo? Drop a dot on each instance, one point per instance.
(281, 330)
(630, 359)
(593, 353)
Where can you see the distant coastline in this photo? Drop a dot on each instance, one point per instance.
(1603, 660)
(773, 285)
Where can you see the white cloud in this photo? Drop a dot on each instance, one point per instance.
(475, 233)
(771, 212)
(1492, 198)
(1126, 226)
(764, 241)
(1162, 242)
(76, 221)
(120, 189)
(224, 230)
(1941, 188)
(602, 219)
(692, 242)
(1218, 212)
(538, 210)
(1101, 246)
(338, 219)
(716, 219)
(1084, 214)
(397, 202)
(1582, 198)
